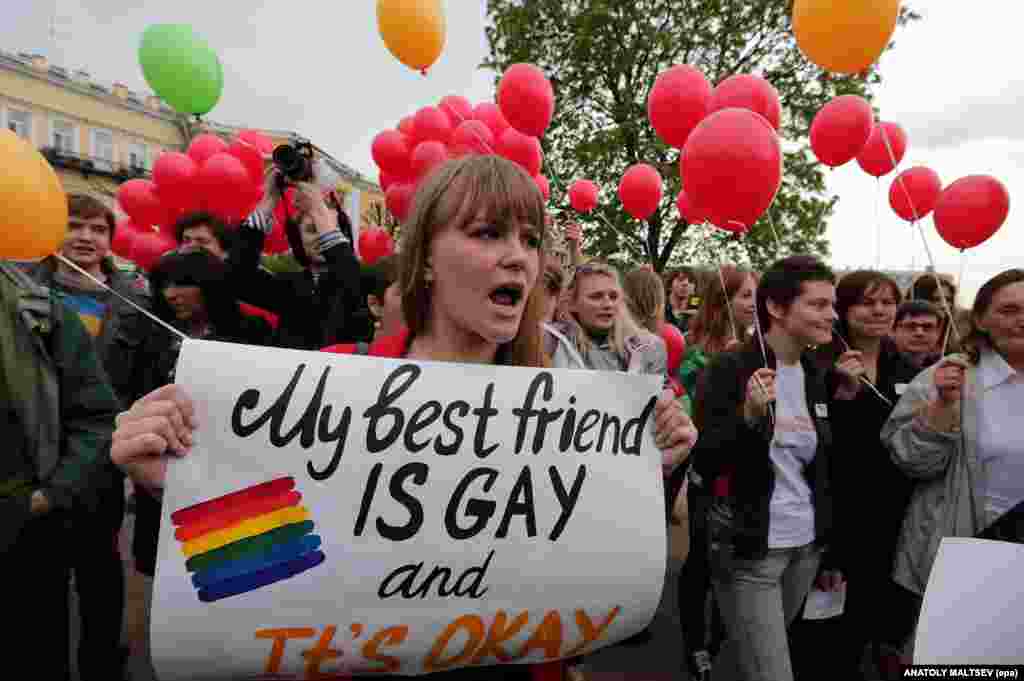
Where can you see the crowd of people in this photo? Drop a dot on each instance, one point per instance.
(827, 432)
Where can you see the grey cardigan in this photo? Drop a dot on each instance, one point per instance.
(645, 354)
(948, 500)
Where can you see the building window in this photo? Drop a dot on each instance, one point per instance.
(103, 149)
(63, 136)
(137, 156)
(20, 123)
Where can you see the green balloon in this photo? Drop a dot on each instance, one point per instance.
(181, 68)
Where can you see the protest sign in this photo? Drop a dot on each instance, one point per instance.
(348, 514)
(973, 610)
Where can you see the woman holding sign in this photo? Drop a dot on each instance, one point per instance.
(470, 264)
(957, 430)
(765, 416)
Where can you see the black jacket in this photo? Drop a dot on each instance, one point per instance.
(731, 448)
(313, 314)
(869, 491)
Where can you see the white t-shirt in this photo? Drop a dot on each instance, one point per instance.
(791, 512)
(1000, 434)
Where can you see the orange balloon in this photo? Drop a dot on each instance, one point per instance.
(413, 30)
(844, 36)
(34, 217)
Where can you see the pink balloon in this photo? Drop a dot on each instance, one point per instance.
(522, 149)
(745, 91)
(398, 200)
(971, 210)
(225, 186)
(640, 190)
(543, 185)
(472, 137)
(490, 115)
(204, 146)
(687, 210)
(138, 198)
(149, 247)
(583, 196)
(426, 156)
(878, 158)
(914, 193)
(251, 158)
(527, 99)
(390, 151)
(432, 124)
(261, 142)
(733, 168)
(174, 175)
(458, 109)
(675, 344)
(840, 129)
(677, 103)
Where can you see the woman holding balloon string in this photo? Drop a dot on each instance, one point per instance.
(470, 264)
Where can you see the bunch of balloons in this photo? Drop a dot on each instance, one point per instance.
(225, 179)
(730, 160)
(511, 128)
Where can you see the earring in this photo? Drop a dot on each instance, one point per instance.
(428, 275)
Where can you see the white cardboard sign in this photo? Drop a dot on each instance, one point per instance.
(347, 514)
(973, 610)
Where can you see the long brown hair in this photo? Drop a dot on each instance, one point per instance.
(977, 338)
(712, 329)
(645, 298)
(453, 195)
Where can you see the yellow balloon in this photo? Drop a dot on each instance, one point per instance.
(413, 30)
(844, 36)
(34, 213)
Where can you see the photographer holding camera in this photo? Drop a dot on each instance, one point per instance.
(318, 306)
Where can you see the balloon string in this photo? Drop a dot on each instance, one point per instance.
(951, 326)
(102, 285)
(878, 223)
(757, 333)
(927, 249)
(863, 379)
(775, 234)
(728, 303)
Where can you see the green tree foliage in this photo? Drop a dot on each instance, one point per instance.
(603, 56)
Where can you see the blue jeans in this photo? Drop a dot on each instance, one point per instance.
(759, 599)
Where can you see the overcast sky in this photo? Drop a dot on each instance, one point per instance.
(320, 68)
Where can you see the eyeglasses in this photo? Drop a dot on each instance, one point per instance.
(918, 326)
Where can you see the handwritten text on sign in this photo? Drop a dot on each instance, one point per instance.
(356, 515)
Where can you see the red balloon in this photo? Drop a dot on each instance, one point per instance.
(148, 247)
(374, 244)
(390, 152)
(687, 210)
(490, 115)
(432, 124)
(138, 198)
(745, 91)
(225, 186)
(583, 196)
(543, 185)
(204, 146)
(971, 210)
(124, 237)
(674, 343)
(251, 158)
(527, 99)
(458, 109)
(385, 181)
(733, 167)
(640, 190)
(677, 103)
(398, 200)
(522, 149)
(914, 193)
(261, 142)
(174, 175)
(277, 241)
(286, 207)
(406, 126)
(472, 137)
(426, 156)
(877, 158)
(840, 129)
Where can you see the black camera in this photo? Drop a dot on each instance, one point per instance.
(295, 162)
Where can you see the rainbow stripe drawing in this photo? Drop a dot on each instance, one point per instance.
(247, 539)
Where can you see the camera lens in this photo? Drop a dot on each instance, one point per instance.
(287, 159)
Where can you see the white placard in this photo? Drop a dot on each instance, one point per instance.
(823, 605)
(973, 610)
(546, 542)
